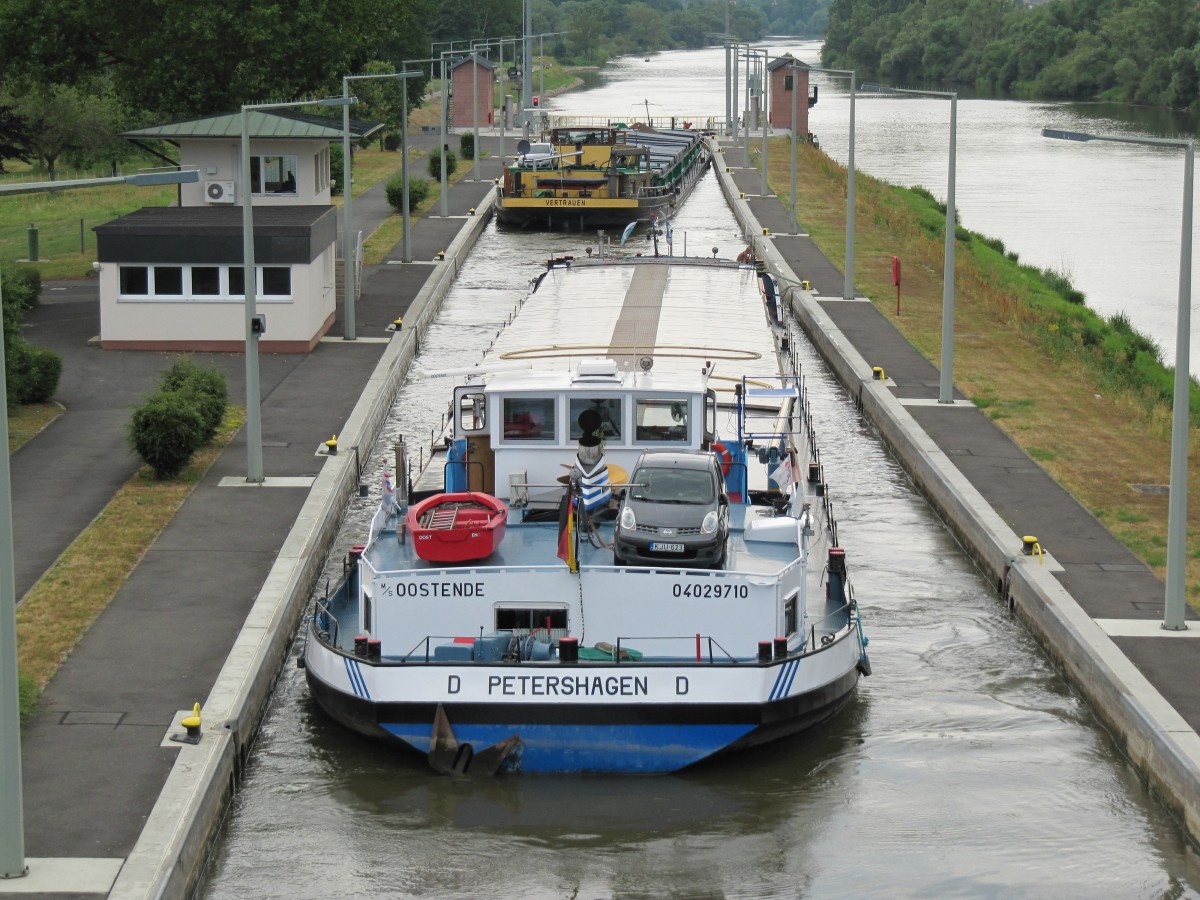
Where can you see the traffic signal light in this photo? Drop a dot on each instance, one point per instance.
(535, 101)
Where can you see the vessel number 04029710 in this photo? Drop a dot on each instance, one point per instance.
(716, 591)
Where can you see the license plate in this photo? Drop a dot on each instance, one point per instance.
(658, 547)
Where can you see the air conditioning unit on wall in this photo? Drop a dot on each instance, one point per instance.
(219, 191)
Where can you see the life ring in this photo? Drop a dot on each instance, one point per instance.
(724, 455)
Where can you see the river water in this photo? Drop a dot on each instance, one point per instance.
(1108, 215)
(965, 766)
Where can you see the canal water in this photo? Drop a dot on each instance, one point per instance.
(965, 766)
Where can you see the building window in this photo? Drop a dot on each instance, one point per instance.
(276, 281)
(787, 82)
(222, 284)
(135, 281)
(274, 174)
(321, 170)
(168, 281)
(206, 281)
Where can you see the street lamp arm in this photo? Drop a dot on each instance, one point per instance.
(140, 179)
(1084, 137)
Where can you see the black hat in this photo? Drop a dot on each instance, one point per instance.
(589, 424)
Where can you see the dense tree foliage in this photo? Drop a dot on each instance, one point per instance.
(14, 139)
(182, 59)
(1139, 51)
(73, 73)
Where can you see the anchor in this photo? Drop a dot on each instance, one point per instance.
(448, 757)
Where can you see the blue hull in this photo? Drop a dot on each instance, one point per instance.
(592, 748)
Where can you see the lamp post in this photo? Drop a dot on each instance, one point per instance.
(1176, 588)
(848, 280)
(12, 822)
(443, 110)
(349, 244)
(254, 465)
(542, 60)
(527, 67)
(946, 385)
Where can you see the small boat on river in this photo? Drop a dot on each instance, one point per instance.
(599, 176)
(667, 586)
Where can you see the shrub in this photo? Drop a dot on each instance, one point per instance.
(31, 373)
(166, 430)
(466, 145)
(35, 371)
(435, 163)
(207, 389)
(1060, 283)
(185, 372)
(391, 141)
(22, 287)
(418, 191)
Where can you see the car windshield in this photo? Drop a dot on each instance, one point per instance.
(658, 485)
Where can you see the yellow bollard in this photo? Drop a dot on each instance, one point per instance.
(766, 232)
(1031, 547)
(191, 725)
(472, 211)
(807, 285)
(331, 446)
(878, 374)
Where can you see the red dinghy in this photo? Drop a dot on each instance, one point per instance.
(457, 527)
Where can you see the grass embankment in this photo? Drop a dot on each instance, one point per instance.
(59, 609)
(25, 422)
(1086, 398)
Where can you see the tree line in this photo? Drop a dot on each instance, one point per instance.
(1132, 51)
(75, 73)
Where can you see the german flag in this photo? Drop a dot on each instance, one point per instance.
(567, 538)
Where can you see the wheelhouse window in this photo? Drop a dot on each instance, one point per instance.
(274, 174)
(661, 419)
(472, 412)
(528, 418)
(607, 408)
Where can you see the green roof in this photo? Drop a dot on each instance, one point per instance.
(262, 124)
